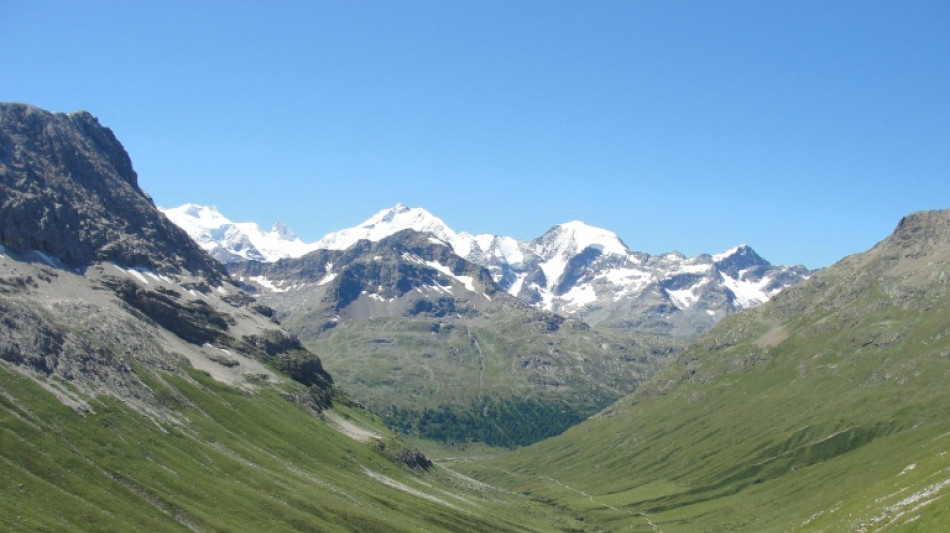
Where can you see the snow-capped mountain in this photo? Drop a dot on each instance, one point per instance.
(389, 222)
(229, 241)
(573, 269)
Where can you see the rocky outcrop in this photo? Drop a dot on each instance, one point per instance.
(70, 205)
(194, 321)
(68, 189)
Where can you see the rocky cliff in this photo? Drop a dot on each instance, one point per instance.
(70, 192)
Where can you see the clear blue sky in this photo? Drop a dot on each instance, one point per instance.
(804, 129)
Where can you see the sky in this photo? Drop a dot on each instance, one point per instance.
(803, 129)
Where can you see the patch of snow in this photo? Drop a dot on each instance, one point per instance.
(328, 278)
(728, 253)
(547, 297)
(553, 268)
(694, 268)
(579, 296)
(749, 293)
(466, 281)
(132, 272)
(710, 312)
(439, 288)
(672, 256)
(463, 244)
(484, 241)
(628, 277)
(268, 284)
(508, 250)
(516, 286)
(412, 258)
(682, 298)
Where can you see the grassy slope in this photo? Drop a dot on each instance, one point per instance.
(240, 463)
(827, 416)
(412, 364)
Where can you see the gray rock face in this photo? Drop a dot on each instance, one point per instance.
(101, 292)
(69, 191)
(367, 279)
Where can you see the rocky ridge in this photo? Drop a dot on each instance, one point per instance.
(101, 293)
(573, 269)
(69, 191)
(418, 333)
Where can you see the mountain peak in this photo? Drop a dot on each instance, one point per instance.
(206, 215)
(730, 252)
(283, 232)
(923, 227)
(574, 268)
(576, 236)
(228, 241)
(58, 173)
(388, 222)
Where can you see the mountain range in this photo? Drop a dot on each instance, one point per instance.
(141, 388)
(825, 409)
(143, 385)
(430, 342)
(573, 269)
(458, 337)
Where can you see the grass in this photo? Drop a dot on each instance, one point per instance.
(843, 426)
(458, 365)
(238, 462)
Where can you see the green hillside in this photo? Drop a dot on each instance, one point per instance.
(508, 379)
(825, 410)
(227, 461)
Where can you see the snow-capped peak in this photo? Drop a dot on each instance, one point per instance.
(196, 217)
(730, 252)
(282, 231)
(576, 236)
(574, 268)
(563, 242)
(387, 222)
(226, 240)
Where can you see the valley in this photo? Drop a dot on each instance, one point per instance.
(823, 410)
(404, 377)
